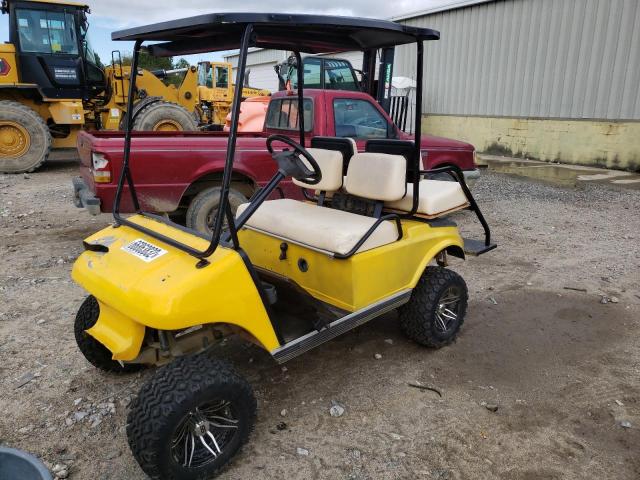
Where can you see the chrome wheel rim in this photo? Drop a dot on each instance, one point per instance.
(203, 434)
(448, 309)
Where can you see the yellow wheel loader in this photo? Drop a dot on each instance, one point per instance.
(52, 85)
(286, 275)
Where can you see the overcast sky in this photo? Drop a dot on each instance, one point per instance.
(109, 15)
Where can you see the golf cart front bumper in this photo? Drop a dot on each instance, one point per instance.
(84, 198)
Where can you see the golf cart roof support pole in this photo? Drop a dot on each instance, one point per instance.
(300, 72)
(127, 139)
(417, 136)
(231, 143)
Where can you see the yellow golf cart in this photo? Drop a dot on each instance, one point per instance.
(287, 275)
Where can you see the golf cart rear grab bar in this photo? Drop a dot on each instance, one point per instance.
(456, 173)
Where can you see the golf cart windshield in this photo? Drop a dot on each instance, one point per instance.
(297, 33)
(46, 32)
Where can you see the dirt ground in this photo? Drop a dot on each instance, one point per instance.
(562, 368)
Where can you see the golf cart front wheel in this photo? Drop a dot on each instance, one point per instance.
(96, 354)
(190, 419)
(435, 313)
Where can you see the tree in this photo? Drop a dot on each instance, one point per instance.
(182, 63)
(149, 62)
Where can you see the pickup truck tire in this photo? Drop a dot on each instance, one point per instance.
(204, 207)
(164, 117)
(25, 139)
(435, 313)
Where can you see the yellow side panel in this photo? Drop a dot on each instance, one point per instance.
(364, 278)
(8, 58)
(169, 292)
(119, 333)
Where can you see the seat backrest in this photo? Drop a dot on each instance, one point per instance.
(406, 148)
(377, 176)
(346, 146)
(330, 163)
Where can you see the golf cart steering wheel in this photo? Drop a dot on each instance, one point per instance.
(290, 163)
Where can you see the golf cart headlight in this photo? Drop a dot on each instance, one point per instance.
(101, 170)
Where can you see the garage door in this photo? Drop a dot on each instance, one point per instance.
(263, 76)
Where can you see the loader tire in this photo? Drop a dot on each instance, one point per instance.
(96, 354)
(25, 139)
(165, 117)
(428, 317)
(203, 208)
(194, 399)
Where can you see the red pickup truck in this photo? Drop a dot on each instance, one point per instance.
(179, 173)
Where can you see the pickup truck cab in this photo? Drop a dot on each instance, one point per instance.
(179, 173)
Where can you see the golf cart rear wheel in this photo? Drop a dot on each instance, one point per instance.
(190, 419)
(97, 354)
(434, 315)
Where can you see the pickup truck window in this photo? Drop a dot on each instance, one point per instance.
(357, 118)
(283, 114)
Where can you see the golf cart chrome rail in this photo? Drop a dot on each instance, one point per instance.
(297, 33)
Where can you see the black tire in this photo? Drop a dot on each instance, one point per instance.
(204, 207)
(444, 177)
(418, 318)
(96, 354)
(25, 139)
(165, 116)
(168, 400)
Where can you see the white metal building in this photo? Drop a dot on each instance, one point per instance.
(547, 79)
(261, 61)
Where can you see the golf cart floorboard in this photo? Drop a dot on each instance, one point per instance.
(342, 325)
(477, 247)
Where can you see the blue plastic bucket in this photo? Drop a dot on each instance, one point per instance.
(19, 465)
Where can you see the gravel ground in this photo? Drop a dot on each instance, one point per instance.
(559, 367)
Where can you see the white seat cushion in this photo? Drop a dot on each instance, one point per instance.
(318, 227)
(436, 197)
(377, 176)
(330, 163)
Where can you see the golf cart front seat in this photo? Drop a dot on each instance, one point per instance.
(372, 176)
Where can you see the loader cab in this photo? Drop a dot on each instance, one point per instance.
(214, 81)
(319, 72)
(53, 49)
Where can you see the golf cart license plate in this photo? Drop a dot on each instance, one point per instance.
(144, 250)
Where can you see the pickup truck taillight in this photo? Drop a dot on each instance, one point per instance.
(101, 168)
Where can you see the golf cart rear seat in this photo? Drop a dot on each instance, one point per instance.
(372, 176)
(437, 197)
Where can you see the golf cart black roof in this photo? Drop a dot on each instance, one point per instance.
(304, 33)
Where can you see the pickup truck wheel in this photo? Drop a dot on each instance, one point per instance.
(203, 209)
(96, 354)
(25, 139)
(435, 313)
(190, 419)
(164, 117)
